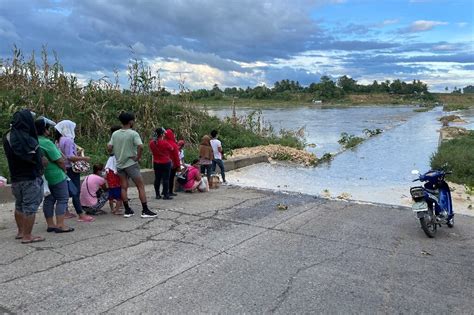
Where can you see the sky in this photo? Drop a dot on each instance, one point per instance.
(250, 42)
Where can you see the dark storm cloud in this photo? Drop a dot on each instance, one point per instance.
(93, 35)
(240, 30)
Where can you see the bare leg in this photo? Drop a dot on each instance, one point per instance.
(19, 223)
(60, 222)
(50, 222)
(141, 189)
(118, 205)
(28, 222)
(124, 186)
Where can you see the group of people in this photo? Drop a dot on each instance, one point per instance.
(43, 160)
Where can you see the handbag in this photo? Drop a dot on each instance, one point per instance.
(81, 166)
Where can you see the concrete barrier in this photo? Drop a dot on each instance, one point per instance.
(149, 175)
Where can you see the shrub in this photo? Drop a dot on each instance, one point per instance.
(458, 154)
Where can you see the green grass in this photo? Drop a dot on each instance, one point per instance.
(459, 156)
(98, 111)
(349, 141)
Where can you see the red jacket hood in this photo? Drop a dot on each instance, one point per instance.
(169, 135)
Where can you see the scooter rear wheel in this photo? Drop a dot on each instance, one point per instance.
(428, 224)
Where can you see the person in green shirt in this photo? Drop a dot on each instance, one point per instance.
(127, 146)
(55, 174)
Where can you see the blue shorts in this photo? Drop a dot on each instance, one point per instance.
(115, 193)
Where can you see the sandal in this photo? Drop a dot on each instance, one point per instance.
(86, 218)
(51, 229)
(35, 239)
(18, 237)
(118, 212)
(67, 230)
(69, 215)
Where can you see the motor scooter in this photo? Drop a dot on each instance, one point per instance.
(433, 204)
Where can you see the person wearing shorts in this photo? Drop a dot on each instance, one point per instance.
(127, 147)
(26, 166)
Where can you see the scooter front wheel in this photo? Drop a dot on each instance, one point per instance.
(428, 224)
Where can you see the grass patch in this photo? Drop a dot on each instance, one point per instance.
(349, 141)
(452, 102)
(458, 154)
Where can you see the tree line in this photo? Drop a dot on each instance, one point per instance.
(326, 89)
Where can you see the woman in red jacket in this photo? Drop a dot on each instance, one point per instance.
(175, 163)
(162, 151)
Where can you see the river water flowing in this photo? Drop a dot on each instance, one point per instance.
(378, 170)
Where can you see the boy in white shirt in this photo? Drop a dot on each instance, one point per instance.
(218, 154)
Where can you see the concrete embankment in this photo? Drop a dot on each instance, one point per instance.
(149, 176)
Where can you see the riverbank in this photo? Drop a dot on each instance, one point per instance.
(233, 250)
(450, 101)
(351, 100)
(279, 153)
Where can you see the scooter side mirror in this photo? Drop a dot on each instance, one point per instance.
(415, 172)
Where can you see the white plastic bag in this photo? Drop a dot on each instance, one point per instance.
(47, 192)
(203, 185)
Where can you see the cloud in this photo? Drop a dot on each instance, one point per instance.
(389, 22)
(190, 56)
(422, 26)
(8, 30)
(241, 42)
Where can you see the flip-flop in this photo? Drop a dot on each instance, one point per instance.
(51, 229)
(18, 237)
(69, 215)
(86, 219)
(117, 212)
(33, 240)
(59, 230)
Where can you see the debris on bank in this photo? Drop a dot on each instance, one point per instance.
(448, 133)
(280, 153)
(451, 118)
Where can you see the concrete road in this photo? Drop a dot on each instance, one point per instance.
(232, 251)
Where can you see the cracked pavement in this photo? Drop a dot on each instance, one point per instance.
(231, 250)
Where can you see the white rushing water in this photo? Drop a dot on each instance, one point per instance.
(378, 170)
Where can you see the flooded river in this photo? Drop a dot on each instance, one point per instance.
(378, 170)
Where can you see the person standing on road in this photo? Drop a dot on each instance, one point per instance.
(26, 166)
(205, 156)
(55, 204)
(218, 155)
(65, 135)
(161, 151)
(175, 162)
(127, 147)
